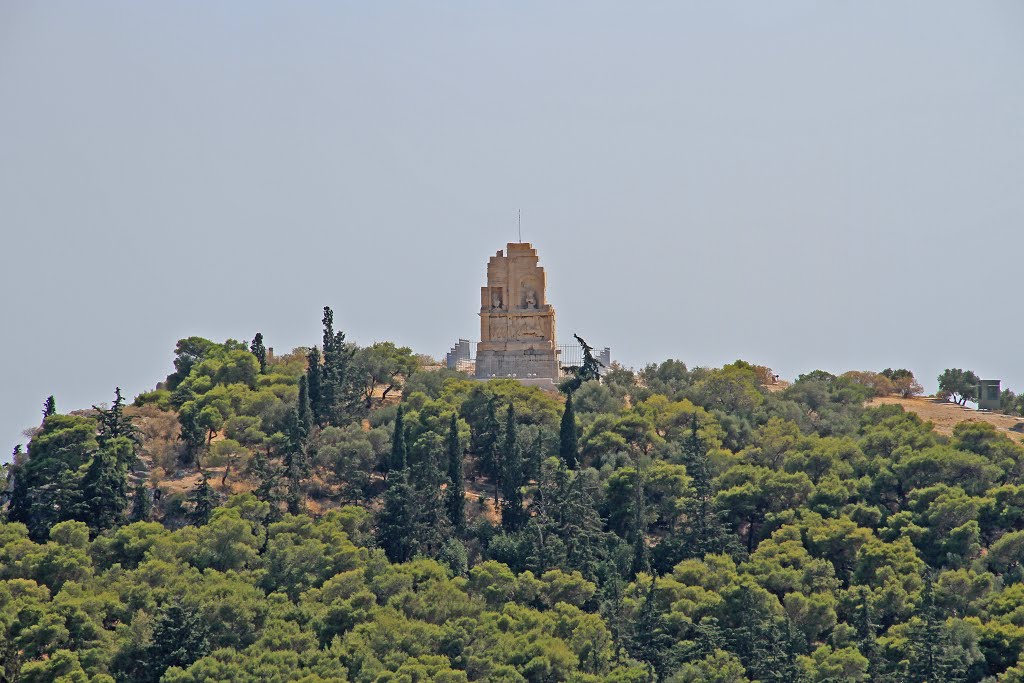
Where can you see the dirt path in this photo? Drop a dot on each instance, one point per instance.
(945, 415)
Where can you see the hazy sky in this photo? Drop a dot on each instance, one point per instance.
(834, 185)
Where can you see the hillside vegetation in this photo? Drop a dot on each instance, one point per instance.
(347, 514)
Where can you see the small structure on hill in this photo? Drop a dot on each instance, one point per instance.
(988, 394)
(517, 324)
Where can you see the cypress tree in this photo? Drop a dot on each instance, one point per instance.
(295, 464)
(490, 458)
(304, 406)
(399, 452)
(260, 351)
(205, 501)
(314, 377)
(49, 407)
(568, 445)
(513, 516)
(456, 484)
(141, 504)
(329, 378)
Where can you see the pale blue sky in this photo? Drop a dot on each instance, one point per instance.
(834, 185)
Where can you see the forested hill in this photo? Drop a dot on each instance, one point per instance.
(353, 514)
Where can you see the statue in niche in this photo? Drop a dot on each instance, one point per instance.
(530, 298)
(496, 301)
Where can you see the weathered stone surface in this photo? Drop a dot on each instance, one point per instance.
(517, 324)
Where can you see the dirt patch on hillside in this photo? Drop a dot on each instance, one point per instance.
(945, 415)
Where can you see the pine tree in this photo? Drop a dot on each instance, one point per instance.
(180, 637)
(704, 530)
(205, 501)
(933, 654)
(105, 488)
(456, 491)
(564, 523)
(49, 407)
(142, 504)
(866, 636)
(767, 648)
(399, 457)
(513, 516)
(648, 640)
(260, 351)
(568, 444)
(314, 381)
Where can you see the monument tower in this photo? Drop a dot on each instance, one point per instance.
(517, 325)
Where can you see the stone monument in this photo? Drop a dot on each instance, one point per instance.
(517, 325)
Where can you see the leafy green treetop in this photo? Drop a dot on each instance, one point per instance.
(960, 386)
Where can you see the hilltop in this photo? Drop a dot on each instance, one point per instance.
(344, 513)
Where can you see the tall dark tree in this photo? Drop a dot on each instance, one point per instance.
(589, 370)
(192, 435)
(396, 523)
(648, 640)
(933, 654)
(398, 459)
(568, 441)
(260, 351)
(704, 530)
(180, 637)
(105, 486)
(340, 388)
(113, 423)
(49, 407)
(764, 645)
(487, 446)
(142, 504)
(867, 633)
(513, 515)
(305, 406)
(564, 526)
(296, 462)
(456, 490)
(314, 377)
(205, 499)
